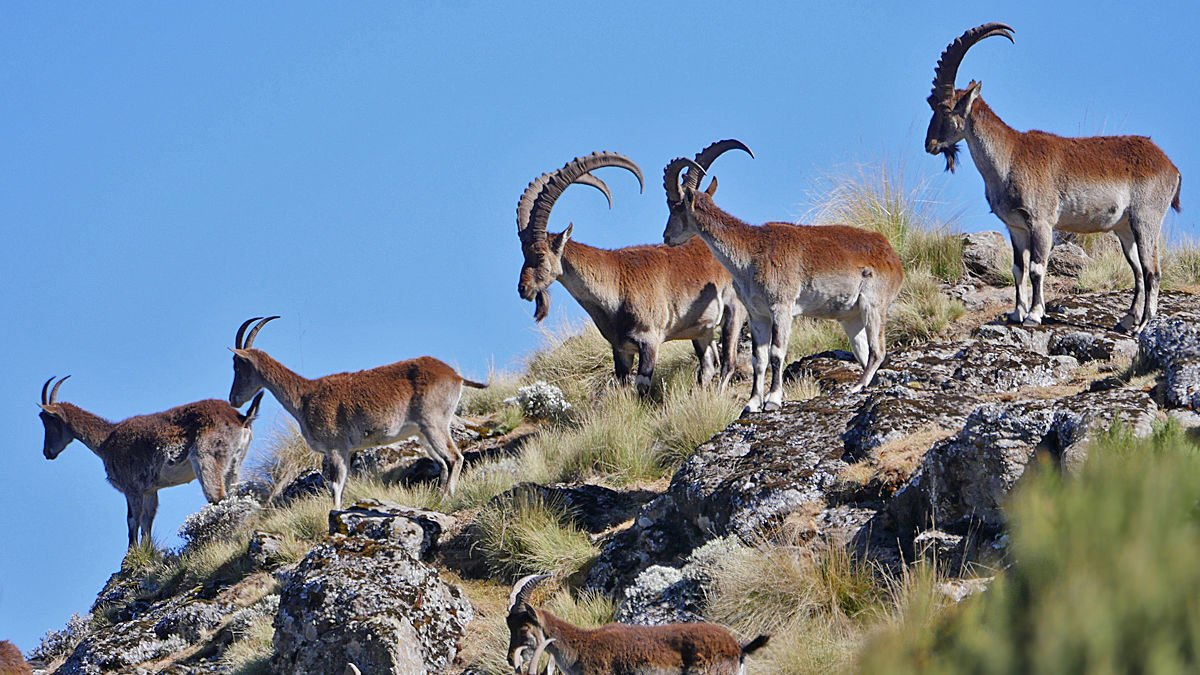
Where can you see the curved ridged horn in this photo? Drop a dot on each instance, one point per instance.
(707, 156)
(671, 176)
(54, 391)
(556, 182)
(947, 65)
(254, 331)
(45, 387)
(537, 657)
(525, 204)
(241, 332)
(522, 589)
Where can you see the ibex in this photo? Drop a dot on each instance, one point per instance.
(638, 296)
(674, 649)
(780, 270)
(1037, 182)
(347, 411)
(11, 660)
(144, 454)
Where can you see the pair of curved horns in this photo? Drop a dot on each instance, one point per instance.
(53, 397)
(241, 331)
(533, 209)
(696, 168)
(947, 66)
(537, 656)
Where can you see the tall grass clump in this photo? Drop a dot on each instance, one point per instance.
(576, 360)
(876, 198)
(1103, 580)
(612, 443)
(287, 457)
(922, 310)
(522, 533)
(1181, 266)
(250, 651)
(817, 605)
(813, 336)
(690, 415)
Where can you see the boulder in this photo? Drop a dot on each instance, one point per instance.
(369, 603)
(1172, 345)
(1068, 260)
(987, 256)
(417, 530)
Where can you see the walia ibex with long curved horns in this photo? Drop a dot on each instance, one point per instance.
(341, 413)
(1037, 182)
(672, 649)
(144, 454)
(780, 270)
(638, 296)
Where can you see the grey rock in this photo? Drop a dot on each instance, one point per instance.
(593, 508)
(1068, 260)
(310, 482)
(369, 603)
(417, 530)
(265, 550)
(987, 256)
(1172, 345)
(661, 595)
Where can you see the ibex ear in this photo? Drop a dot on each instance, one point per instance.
(712, 187)
(559, 242)
(963, 107)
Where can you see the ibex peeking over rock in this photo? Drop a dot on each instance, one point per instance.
(347, 411)
(144, 454)
(835, 272)
(638, 296)
(1037, 182)
(674, 649)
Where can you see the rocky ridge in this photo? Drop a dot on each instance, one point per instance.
(917, 466)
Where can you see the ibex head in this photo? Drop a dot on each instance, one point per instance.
(681, 198)
(524, 628)
(58, 433)
(246, 380)
(544, 251)
(952, 106)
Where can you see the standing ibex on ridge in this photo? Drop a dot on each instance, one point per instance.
(638, 296)
(1037, 182)
(619, 649)
(144, 454)
(347, 411)
(780, 270)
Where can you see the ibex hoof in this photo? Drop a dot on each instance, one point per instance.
(772, 406)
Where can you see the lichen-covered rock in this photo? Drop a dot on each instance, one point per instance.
(962, 481)
(265, 550)
(217, 521)
(310, 482)
(417, 530)
(661, 595)
(369, 603)
(1172, 344)
(377, 461)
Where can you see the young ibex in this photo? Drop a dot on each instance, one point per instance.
(347, 411)
(144, 454)
(674, 649)
(780, 270)
(638, 296)
(1038, 182)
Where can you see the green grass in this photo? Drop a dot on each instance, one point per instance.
(813, 336)
(523, 534)
(1103, 580)
(287, 456)
(876, 198)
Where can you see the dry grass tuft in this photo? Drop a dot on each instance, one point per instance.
(523, 534)
(891, 464)
(876, 198)
(922, 311)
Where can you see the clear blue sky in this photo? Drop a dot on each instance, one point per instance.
(171, 169)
